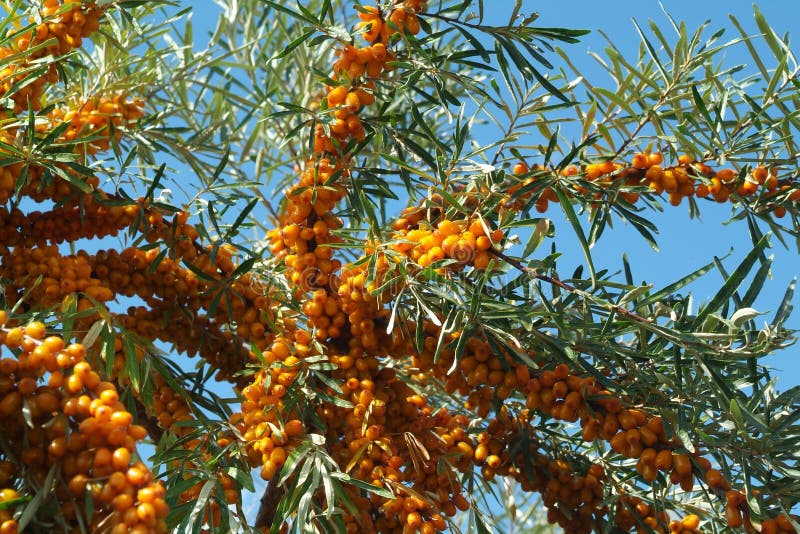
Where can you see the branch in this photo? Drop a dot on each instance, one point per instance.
(273, 494)
(154, 430)
(566, 287)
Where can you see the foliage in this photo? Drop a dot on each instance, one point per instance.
(342, 212)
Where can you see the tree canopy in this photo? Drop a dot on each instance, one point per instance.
(321, 246)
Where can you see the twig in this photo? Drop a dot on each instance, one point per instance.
(154, 430)
(566, 287)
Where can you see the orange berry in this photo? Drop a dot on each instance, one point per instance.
(640, 161)
(414, 520)
(36, 330)
(121, 418)
(122, 502)
(769, 526)
(521, 168)
(146, 494)
(784, 524)
(733, 516)
(146, 513)
(461, 502)
(654, 159)
(121, 459)
(136, 476)
(494, 461)
(14, 338)
(137, 432)
(482, 260)
(690, 522)
(57, 448)
(109, 397)
(682, 465)
(664, 460)
(336, 96)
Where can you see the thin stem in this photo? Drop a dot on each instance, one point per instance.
(566, 287)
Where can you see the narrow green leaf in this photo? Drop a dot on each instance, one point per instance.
(778, 48)
(33, 506)
(566, 206)
(785, 308)
(360, 484)
(538, 235)
(732, 283)
(652, 51)
(617, 99)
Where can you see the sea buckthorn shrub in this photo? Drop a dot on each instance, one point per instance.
(388, 352)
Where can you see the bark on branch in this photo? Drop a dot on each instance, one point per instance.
(269, 504)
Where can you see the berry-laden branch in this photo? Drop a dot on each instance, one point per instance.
(760, 189)
(190, 306)
(72, 433)
(62, 29)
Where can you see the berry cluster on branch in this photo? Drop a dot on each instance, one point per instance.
(63, 418)
(66, 24)
(686, 178)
